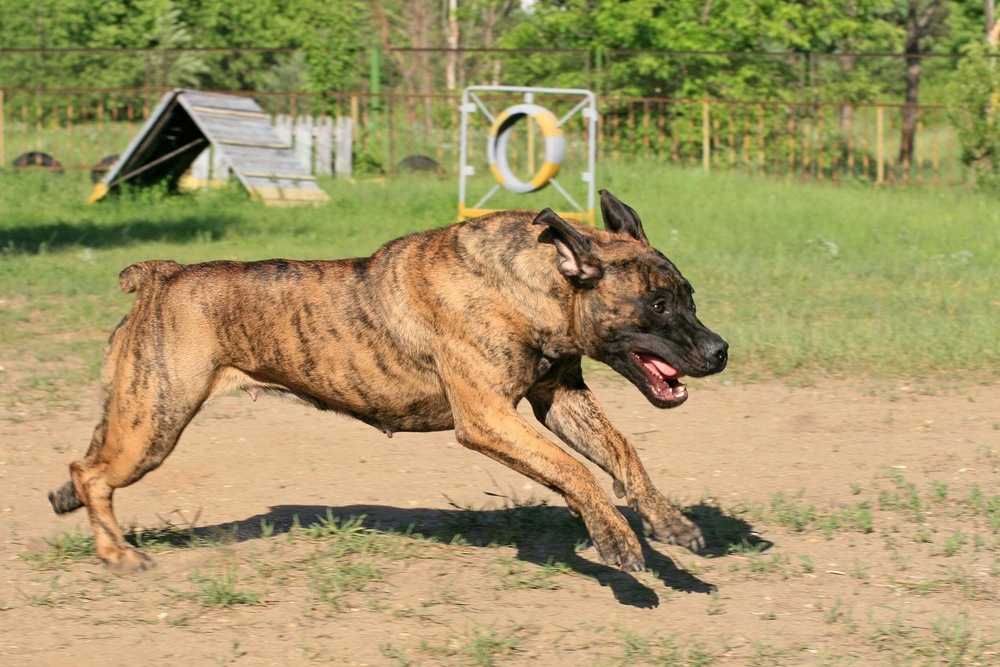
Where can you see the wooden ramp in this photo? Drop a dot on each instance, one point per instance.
(186, 122)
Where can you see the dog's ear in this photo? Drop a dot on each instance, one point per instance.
(621, 218)
(576, 258)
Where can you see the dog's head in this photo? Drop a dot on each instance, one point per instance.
(635, 311)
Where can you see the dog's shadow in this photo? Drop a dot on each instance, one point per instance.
(542, 535)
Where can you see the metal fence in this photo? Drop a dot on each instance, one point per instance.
(809, 141)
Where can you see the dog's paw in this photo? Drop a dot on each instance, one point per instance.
(680, 531)
(621, 549)
(126, 561)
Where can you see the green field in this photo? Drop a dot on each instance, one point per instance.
(802, 280)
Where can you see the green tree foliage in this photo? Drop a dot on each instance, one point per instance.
(327, 33)
(823, 27)
(975, 97)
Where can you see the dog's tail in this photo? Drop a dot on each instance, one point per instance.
(65, 499)
(141, 273)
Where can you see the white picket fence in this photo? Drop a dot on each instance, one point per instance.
(323, 146)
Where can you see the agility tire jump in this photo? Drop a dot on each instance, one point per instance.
(496, 147)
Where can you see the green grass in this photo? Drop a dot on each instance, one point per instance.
(224, 590)
(802, 280)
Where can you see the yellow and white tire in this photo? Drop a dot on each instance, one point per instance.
(496, 147)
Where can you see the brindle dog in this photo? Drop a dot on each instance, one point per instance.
(448, 328)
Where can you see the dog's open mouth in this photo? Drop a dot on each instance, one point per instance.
(664, 379)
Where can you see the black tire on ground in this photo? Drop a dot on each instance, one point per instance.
(37, 160)
(98, 170)
(420, 163)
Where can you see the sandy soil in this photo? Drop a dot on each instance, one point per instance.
(787, 472)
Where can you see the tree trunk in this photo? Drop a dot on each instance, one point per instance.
(918, 24)
(989, 9)
(847, 61)
(911, 114)
(451, 68)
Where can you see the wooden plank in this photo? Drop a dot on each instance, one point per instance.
(288, 177)
(323, 160)
(217, 111)
(344, 152)
(304, 140)
(251, 144)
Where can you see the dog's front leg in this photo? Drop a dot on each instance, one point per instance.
(568, 408)
(488, 424)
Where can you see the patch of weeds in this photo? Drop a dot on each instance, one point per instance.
(531, 525)
(395, 655)
(806, 563)
(757, 564)
(351, 537)
(722, 530)
(955, 642)
(950, 641)
(939, 492)
(973, 588)
(953, 543)
(857, 517)
(517, 575)
(654, 650)
(765, 654)
(170, 535)
(792, 513)
(835, 612)
(903, 497)
(333, 579)
(886, 636)
(63, 549)
(985, 506)
(715, 606)
(74, 547)
(222, 591)
(57, 593)
(482, 645)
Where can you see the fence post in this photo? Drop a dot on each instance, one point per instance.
(706, 137)
(342, 156)
(355, 117)
(880, 145)
(323, 159)
(3, 153)
(304, 140)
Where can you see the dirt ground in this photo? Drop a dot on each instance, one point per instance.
(846, 525)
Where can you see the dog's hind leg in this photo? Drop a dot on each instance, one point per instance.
(136, 440)
(149, 400)
(65, 499)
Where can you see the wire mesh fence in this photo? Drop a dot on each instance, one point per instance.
(831, 141)
(810, 117)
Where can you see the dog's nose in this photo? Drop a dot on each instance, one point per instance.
(717, 350)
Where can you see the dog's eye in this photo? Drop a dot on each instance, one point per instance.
(658, 307)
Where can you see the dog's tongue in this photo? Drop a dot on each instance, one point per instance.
(660, 367)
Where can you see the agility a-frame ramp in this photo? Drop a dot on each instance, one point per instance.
(187, 122)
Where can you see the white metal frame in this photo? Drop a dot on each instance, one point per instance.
(471, 103)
